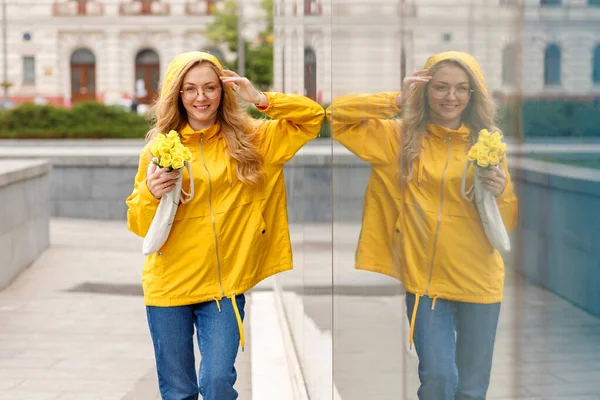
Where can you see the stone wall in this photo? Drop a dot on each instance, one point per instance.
(24, 215)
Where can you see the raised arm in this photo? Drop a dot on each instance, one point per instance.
(363, 124)
(295, 120)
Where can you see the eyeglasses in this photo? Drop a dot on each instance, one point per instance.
(442, 91)
(210, 92)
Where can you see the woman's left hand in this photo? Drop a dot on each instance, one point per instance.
(494, 179)
(243, 87)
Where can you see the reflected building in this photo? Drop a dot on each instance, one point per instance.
(350, 46)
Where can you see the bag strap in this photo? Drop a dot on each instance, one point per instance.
(185, 197)
(466, 194)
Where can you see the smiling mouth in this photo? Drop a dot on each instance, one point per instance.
(449, 107)
(202, 108)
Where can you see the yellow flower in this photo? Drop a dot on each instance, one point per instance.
(494, 159)
(502, 149)
(495, 144)
(496, 136)
(484, 133)
(177, 162)
(165, 160)
(483, 160)
(473, 153)
(172, 135)
(484, 150)
(164, 147)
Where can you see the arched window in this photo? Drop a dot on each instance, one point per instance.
(596, 65)
(147, 76)
(509, 65)
(83, 76)
(310, 73)
(552, 65)
(81, 7)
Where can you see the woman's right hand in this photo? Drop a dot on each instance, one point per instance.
(160, 181)
(408, 86)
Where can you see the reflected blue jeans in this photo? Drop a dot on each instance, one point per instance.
(172, 331)
(455, 345)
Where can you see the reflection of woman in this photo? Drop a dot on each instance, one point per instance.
(233, 233)
(453, 276)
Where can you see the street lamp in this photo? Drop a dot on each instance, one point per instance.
(4, 51)
(241, 70)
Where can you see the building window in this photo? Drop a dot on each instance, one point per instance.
(596, 66)
(310, 73)
(147, 76)
(509, 65)
(550, 2)
(552, 65)
(594, 2)
(83, 76)
(312, 7)
(147, 6)
(28, 70)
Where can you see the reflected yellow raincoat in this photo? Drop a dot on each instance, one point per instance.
(230, 236)
(426, 235)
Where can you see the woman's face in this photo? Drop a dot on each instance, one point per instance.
(201, 95)
(448, 94)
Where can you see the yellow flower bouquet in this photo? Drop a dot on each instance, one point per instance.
(488, 151)
(168, 152)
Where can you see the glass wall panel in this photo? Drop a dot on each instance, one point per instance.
(419, 270)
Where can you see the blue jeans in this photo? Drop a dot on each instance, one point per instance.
(455, 345)
(172, 331)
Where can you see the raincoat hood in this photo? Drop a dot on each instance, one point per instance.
(179, 63)
(468, 59)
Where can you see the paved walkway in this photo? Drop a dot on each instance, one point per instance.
(73, 326)
(546, 348)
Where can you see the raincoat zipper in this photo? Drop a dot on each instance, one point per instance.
(212, 216)
(439, 221)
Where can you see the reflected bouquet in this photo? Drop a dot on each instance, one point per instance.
(488, 151)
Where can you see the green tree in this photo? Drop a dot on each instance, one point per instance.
(259, 52)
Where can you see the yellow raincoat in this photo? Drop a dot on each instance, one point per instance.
(230, 236)
(426, 235)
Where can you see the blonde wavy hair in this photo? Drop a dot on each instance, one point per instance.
(237, 127)
(478, 114)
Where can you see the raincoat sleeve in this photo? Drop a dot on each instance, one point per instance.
(362, 123)
(508, 203)
(295, 120)
(141, 205)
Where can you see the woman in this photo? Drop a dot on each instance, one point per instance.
(418, 228)
(233, 233)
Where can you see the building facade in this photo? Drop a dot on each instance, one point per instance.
(326, 48)
(109, 50)
(66, 51)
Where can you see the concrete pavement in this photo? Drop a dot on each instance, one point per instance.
(73, 326)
